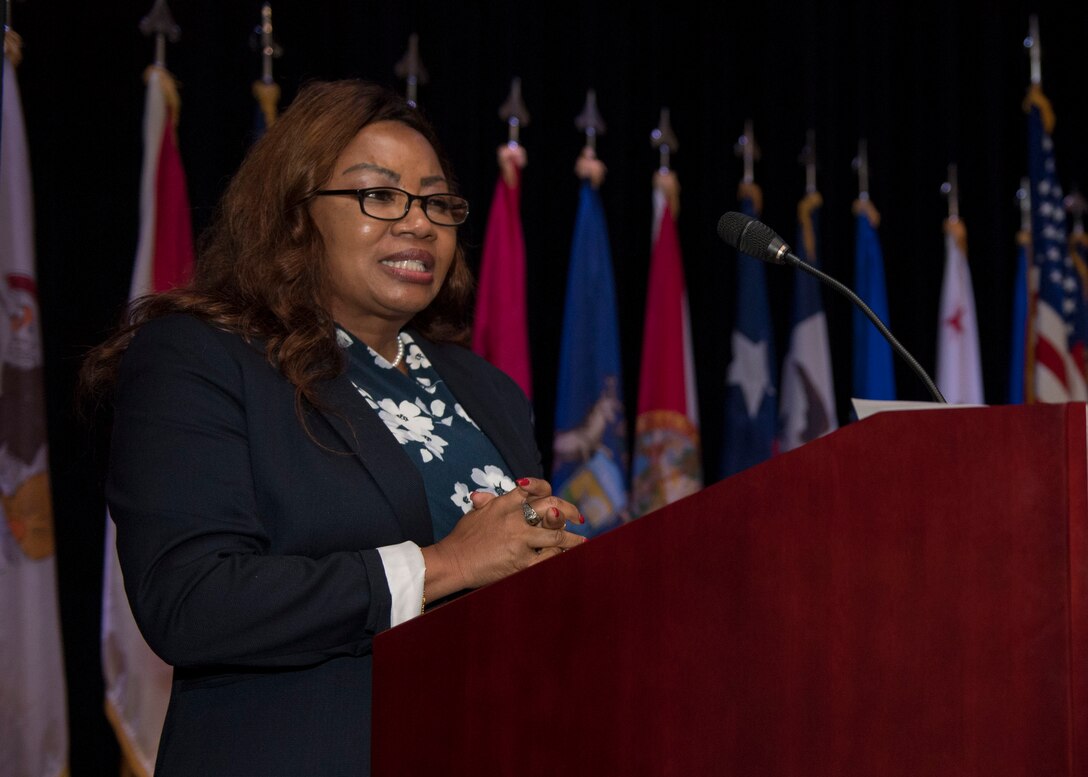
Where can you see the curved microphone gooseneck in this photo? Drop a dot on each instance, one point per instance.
(756, 239)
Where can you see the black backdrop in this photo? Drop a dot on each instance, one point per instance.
(925, 84)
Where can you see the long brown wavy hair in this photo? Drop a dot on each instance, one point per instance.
(261, 270)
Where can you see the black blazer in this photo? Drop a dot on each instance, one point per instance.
(249, 550)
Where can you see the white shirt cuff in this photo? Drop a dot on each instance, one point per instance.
(404, 570)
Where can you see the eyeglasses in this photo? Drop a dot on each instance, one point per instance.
(389, 204)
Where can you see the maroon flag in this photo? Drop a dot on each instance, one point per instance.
(501, 333)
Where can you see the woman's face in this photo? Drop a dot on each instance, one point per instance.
(383, 272)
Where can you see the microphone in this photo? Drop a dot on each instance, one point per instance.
(756, 239)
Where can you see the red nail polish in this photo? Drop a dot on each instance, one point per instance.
(581, 519)
(523, 482)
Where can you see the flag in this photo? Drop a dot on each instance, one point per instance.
(750, 401)
(874, 375)
(667, 462)
(33, 719)
(808, 390)
(501, 332)
(590, 445)
(137, 681)
(959, 363)
(1058, 328)
(1018, 355)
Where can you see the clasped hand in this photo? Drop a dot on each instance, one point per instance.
(494, 540)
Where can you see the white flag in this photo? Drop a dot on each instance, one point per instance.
(959, 366)
(33, 720)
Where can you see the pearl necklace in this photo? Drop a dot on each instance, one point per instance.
(400, 353)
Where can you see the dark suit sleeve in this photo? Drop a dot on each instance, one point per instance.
(205, 586)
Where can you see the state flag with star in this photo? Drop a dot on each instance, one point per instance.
(750, 397)
(959, 364)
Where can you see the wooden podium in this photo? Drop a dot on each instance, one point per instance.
(907, 596)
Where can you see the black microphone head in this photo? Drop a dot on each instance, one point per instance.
(752, 237)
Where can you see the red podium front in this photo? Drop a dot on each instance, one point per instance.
(906, 596)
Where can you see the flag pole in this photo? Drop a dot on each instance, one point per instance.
(411, 69)
(664, 140)
(861, 165)
(1023, 199)
(589, 121)
(747, 150)
(514, 113)
(160, 23)
(265, 90)
(1035, 49)
(951, 190)
(6, 32)
(808, 159)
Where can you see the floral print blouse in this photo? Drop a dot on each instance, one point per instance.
(454, 457)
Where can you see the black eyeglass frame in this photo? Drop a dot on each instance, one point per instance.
(424, 199)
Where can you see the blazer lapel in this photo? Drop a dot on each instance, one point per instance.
(487, 407)
(369, 439)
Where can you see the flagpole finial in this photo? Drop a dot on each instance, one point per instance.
(264, 42)
(589, 120)
(411, 69)
(861, 164)
(514, 113)
(807, 158)
(664, 140)
(160, 23)
(748, 151)
(1075, 207)
(1023, 199)
(951, 190)
(1035, 49)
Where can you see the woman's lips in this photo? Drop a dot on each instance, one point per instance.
(412, 266)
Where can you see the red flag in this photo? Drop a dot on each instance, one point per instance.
(137, 681)
(501, 333)
(173, 257)
(667, 464)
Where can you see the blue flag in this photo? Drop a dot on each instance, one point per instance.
(750, 397)
(1018, 349)
(874, 375)
(591, 463)
(808, 392)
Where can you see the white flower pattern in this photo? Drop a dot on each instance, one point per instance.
(412, 417)
(492, 479)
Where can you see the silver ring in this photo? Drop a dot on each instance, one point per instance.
(532, 517)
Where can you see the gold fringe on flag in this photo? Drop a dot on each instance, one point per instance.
(1035, 98)
(169, 91)
(958, 231)
(268, 98)
(805, 207)
(866, 208)
(669, 185)
(751, 191)
(13, 47)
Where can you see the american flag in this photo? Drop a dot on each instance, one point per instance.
(1061, 316)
